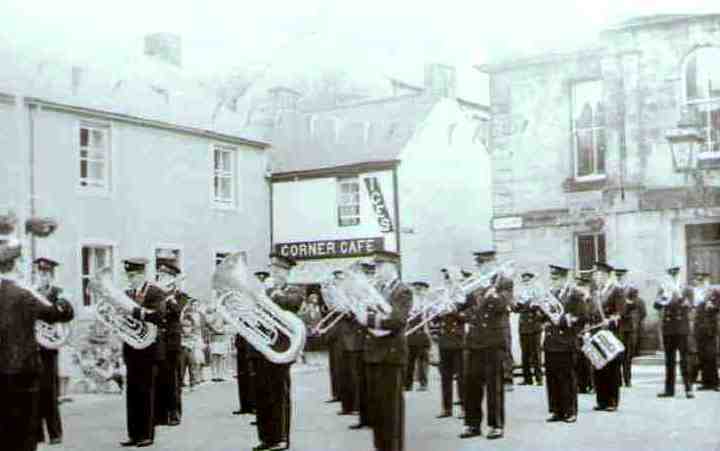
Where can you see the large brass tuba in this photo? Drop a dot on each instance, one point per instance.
(241, 300)
(114, 311)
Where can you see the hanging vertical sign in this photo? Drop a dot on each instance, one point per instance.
(378, 204)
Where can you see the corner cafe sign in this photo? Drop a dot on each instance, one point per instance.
(353, 247)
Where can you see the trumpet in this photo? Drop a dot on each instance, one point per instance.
(114, 311)
(485, 280)
(436, 303)
(277, 334)
(337, 302)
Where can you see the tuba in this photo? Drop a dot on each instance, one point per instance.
(113, 311)
(277, 334)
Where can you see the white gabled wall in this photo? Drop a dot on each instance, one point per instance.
(445, 194)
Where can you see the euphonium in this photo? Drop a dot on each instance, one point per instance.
(363, 297)
(278, 334)
(551, 305)
(114, 311)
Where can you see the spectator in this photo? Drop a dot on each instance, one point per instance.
(65, 367)
(218, 343)
(191, 343)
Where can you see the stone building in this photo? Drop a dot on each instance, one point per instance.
(582, 167)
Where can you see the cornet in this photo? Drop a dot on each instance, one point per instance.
(277, 334)
(477, 281)
(436, 303)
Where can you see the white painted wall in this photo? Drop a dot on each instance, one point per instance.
(445, 197)
(306, 210)
(161, 194)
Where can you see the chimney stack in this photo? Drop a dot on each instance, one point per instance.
(166, 47)
(440, 80)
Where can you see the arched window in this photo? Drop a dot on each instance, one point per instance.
(588, 129)
(702, 93)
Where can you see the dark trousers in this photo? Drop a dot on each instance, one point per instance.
(583, 373)
(451, 366)
(508, 361)
(561, 383)
(187, 366)
(361, 394)
(419, 355)
(607, 383)
(140, 399)
(350, 381)
(484, 372)
(629, 340)
(334, 354)
(530, 350)
(168, 397)
(388, 406)
(48, 397)
(273, 403)
(245, 382)
(707, 352)
(674, 344)
(19, 414)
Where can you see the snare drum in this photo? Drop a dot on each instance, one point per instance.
(601, 348)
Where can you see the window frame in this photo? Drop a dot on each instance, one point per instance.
(108, 172)
(596, 246)
(180, 259)
(695, 104)
(114, 259)
(233, 202)
(339, 182)
(593, 128)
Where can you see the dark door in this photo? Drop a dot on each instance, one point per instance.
(703, 249)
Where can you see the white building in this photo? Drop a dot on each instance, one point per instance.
(133, 160)
(407, 173)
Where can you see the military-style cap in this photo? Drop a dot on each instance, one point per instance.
(282, 261)
(484, 253)
(262, 275)
(167, 266)
(701, 274)
(465, 273)
(558, 270)
(604, 267)
(337, 272)
(527, 275)
(420, 284)
(621, 272)
(383, 256)
(673, 270)
(135, 264)
(45, 264)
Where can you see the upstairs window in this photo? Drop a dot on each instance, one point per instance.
(94, 152)
(588, 125)
(224, 176)
(348, 202)
(702, 93)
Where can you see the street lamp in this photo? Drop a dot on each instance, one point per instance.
(685, 142)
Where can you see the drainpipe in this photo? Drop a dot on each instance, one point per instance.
(272, 217)
(396, 198)
(31, 173)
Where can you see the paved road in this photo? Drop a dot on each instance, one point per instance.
(643, 422)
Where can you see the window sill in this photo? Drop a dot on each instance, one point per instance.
(89, 192)
(593, 182)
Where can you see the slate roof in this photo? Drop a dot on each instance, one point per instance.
(137, 86)
(363, 132)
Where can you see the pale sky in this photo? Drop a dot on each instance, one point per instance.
(371, 35)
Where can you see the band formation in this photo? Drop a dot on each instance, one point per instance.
(378, 328)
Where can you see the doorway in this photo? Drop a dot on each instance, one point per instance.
(703, 250)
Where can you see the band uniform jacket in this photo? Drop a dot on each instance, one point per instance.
(530, 321)
(419, 338)
(612, 303)
(392, 348)
(634, 312)
(152, 298)
(706, 319)
(487, 314)
(20, 362)
(353, 335)
(449, 329)
(676, 314)
(173, 335)
(563, 337)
